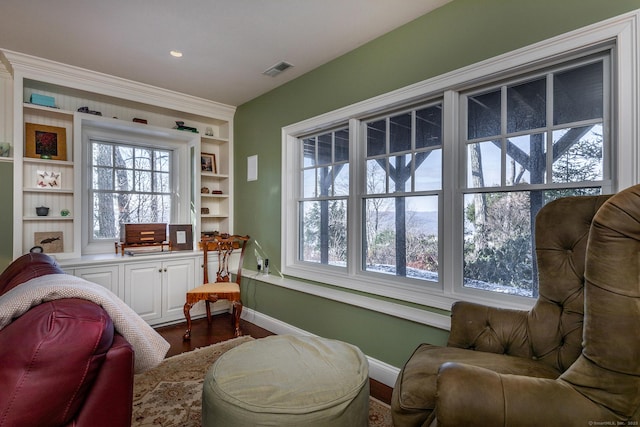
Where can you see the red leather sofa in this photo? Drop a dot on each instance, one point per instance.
(61, 362)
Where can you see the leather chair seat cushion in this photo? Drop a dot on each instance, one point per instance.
(52, 355)
(416, 385)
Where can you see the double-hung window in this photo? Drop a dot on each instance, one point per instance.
(129, 184)
(132, 176)
(526, 142)
(429, 194)
(323, 201)
(401, 193)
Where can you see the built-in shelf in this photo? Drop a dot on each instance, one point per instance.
(47, 190)
(47, 162)
(214, 140)
(47, 218)
(223, 196)
(44, 109)
(219, 180)
(215, 175)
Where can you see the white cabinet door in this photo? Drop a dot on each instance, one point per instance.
(177, 279)
(143, 289)
(154, 288)
(104, 275)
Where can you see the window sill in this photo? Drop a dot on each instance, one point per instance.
(389, 308)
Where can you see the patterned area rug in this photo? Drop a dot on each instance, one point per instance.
(170, 394)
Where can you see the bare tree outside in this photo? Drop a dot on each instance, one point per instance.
(325, 189)
(499, 224)
(130, 184)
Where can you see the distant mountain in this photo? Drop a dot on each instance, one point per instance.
(426, 222)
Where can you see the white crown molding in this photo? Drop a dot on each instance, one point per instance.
(4, 69)
(32, 67)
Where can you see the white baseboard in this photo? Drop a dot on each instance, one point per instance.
(378, 370)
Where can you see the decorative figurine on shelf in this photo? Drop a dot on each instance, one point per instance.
(88, 111)
(180, 126)
(204, 190)
(65, 212)
(204, 211)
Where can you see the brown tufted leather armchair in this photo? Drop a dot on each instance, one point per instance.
(494, 355)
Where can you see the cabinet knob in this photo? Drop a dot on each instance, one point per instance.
(159, 270)
(165, 270)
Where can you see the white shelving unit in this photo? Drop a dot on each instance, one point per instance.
(218, 183)
(119, 101)
(36, 229)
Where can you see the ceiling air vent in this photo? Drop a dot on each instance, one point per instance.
(277, 69)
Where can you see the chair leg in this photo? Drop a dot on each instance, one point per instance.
(208, 311)
(187, 314)
(237, 311)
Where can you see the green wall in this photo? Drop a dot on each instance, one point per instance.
(6, 214)
(460, 33)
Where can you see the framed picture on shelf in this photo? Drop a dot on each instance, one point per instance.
(180, 237)
(49, 241)
(45, 142)
(208, 162)
(48, 179)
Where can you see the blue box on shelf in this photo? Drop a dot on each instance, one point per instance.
(47, 101)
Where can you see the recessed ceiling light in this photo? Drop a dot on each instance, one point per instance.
(176, 53)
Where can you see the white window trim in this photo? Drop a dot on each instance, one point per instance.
(621, 31)
(114, 131)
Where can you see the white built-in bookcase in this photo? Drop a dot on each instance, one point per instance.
(119, 101)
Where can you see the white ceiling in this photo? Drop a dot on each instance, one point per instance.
(227, 44)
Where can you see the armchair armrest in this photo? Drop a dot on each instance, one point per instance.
(110, 402)
(469, 395)
(489, 329)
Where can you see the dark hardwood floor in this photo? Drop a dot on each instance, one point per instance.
(221, 329)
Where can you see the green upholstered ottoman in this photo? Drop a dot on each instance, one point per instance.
(287, 380)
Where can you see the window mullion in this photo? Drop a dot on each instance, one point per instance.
(357, 182)
(453, 177)
(413, 151)
(550, 127)
(503, 137)
(387, 137)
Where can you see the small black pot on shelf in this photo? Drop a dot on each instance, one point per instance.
(42, 211)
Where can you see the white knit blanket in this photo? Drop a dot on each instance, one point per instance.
(149, 347)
